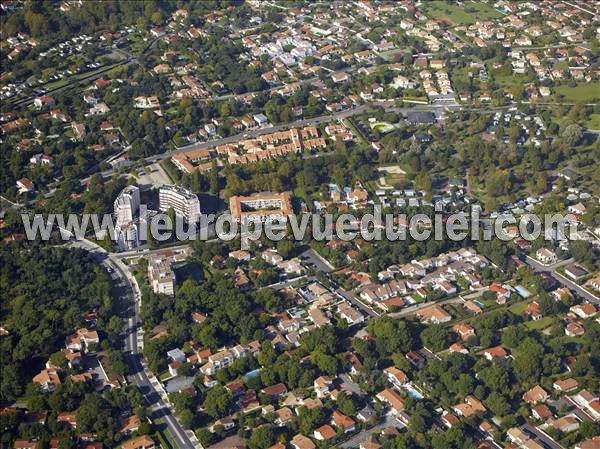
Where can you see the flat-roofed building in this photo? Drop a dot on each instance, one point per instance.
(126, 205)
(184, 202)
(161, 275)
(261, 207)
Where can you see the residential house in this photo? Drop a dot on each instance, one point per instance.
(45, 101)
(324, 433)
(275, 391)
(586, 310)
(68, 419)
(464, 330)
(472, 307)
(301, 442)
(574, 329)
(502, 293)
(350, 314)
(130, 424)
(541, 412)
(533, 310)
(396, 376)
(575, 272)
(47, 379)
(495, 352)
(339, 77)
(26, 444)
(535, 395)
(566, 385)
(366, 414)
(566, 424)
(592, 443)
(322, 385)
(457, 347)
(343, 422)
(471, 406)
(25, 185)
(546, 256)
(393, 399)
(82, 339)
(141, 442)
(416, 359)
(434, 314)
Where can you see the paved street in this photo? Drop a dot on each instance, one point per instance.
(411, 310)
(315, 259)
(343, 294)
(548, 442)
(365, 435)
(86, 79)
(389, 105)
(131, 342)
(562, 279)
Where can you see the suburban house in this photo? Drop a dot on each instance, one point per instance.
(545, 256)
(141, 442)
(396, 376)
(535, 395)
(464, 330)
(495, 352)
(393, 399)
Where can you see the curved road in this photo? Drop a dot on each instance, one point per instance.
(154, 396)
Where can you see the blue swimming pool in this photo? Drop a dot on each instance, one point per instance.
(253, 373)
(414, 393)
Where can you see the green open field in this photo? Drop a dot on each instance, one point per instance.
(468, 14)
(587, 92)
(542, 323)
(593, 122)
(506, 78)
(519, 308)
(392, 175)
(382, 127)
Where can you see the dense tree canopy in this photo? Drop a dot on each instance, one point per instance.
(46, 291)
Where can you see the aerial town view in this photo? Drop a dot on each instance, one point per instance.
(299, 224)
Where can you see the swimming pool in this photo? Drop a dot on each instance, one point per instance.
(414, 393)
(252, 373)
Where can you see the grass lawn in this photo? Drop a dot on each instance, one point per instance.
(468, 14)
(163, 435)
(394, 178)
(593, 122)
(507, 79)
(382, 127)
(164, 375)
(410, 99)
(519, 308)
(587, 92)
(542, 323)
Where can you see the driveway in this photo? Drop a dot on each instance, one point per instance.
(541, 436)
(365, 435)
(562, 279)
(311, 257)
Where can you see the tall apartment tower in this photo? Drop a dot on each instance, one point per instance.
(127, 205)
(184, 202)
(126, 210)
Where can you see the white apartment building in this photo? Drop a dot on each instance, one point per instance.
(184, 202)
(127, 205)
(161, 275)
(126, 209)
(128, 236)
(261, 207)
